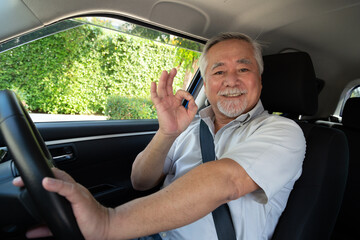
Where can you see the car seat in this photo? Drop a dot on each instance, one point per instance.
(346, 225)
(290, 87)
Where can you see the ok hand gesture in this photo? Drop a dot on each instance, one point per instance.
(173, 117)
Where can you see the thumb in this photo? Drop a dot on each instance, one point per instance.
(70, 190)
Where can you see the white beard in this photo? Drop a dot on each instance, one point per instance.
(232, 107)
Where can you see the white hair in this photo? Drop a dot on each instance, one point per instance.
(228, 36)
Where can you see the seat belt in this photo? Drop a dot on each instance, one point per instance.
(221, 215)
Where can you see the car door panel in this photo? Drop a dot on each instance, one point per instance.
(99, 154)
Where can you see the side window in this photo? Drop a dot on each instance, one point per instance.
(93, 68)
(355, 92)
(351, 90)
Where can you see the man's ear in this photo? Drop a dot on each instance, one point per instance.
(207, 103)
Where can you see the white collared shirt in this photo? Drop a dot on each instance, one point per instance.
(270, 148)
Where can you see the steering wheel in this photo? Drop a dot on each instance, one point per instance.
(33, 161)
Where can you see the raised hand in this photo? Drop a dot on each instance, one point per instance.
(173, 117)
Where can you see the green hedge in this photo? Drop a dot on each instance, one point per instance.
(129, 108)
(77, 71)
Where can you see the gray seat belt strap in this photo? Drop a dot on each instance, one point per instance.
(221, 215)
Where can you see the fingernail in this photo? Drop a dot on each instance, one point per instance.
(16, 180)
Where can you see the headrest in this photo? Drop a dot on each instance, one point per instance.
(289, 84)
(351, 113)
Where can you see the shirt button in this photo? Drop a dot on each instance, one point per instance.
(163, 234)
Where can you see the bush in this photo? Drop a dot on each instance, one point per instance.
(119, 107)
(76, 72)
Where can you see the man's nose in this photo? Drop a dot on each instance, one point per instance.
(232, 79)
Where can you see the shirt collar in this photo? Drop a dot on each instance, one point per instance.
(208, 114)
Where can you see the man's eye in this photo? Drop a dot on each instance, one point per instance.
(244, 70)
(219, 73)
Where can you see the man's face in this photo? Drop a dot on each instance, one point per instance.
(233, 82)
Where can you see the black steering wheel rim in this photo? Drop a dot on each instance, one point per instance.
(33, 162)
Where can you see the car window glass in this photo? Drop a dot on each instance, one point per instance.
(93, 68)
(355, 92)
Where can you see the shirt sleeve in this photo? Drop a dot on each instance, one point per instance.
(272, 155)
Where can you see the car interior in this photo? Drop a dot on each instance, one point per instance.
(315, 200)
(311, 75)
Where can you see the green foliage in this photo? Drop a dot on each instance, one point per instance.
(129, 108)
(80, 70)
(355, 92)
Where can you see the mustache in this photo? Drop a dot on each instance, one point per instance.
(232, 92)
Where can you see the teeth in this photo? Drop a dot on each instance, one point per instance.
(232, 93)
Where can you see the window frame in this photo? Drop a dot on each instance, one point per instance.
(345, 95)
(194, 86)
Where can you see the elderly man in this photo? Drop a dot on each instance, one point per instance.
(258, 158)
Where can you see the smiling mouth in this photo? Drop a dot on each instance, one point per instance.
(232, 93)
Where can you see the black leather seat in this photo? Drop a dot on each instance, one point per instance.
(289, 86)
(347, 225)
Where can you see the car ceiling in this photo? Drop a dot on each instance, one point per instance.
(327, 29)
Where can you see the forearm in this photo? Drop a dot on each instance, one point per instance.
(173, 118)
(147, 169)
(186, 200)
